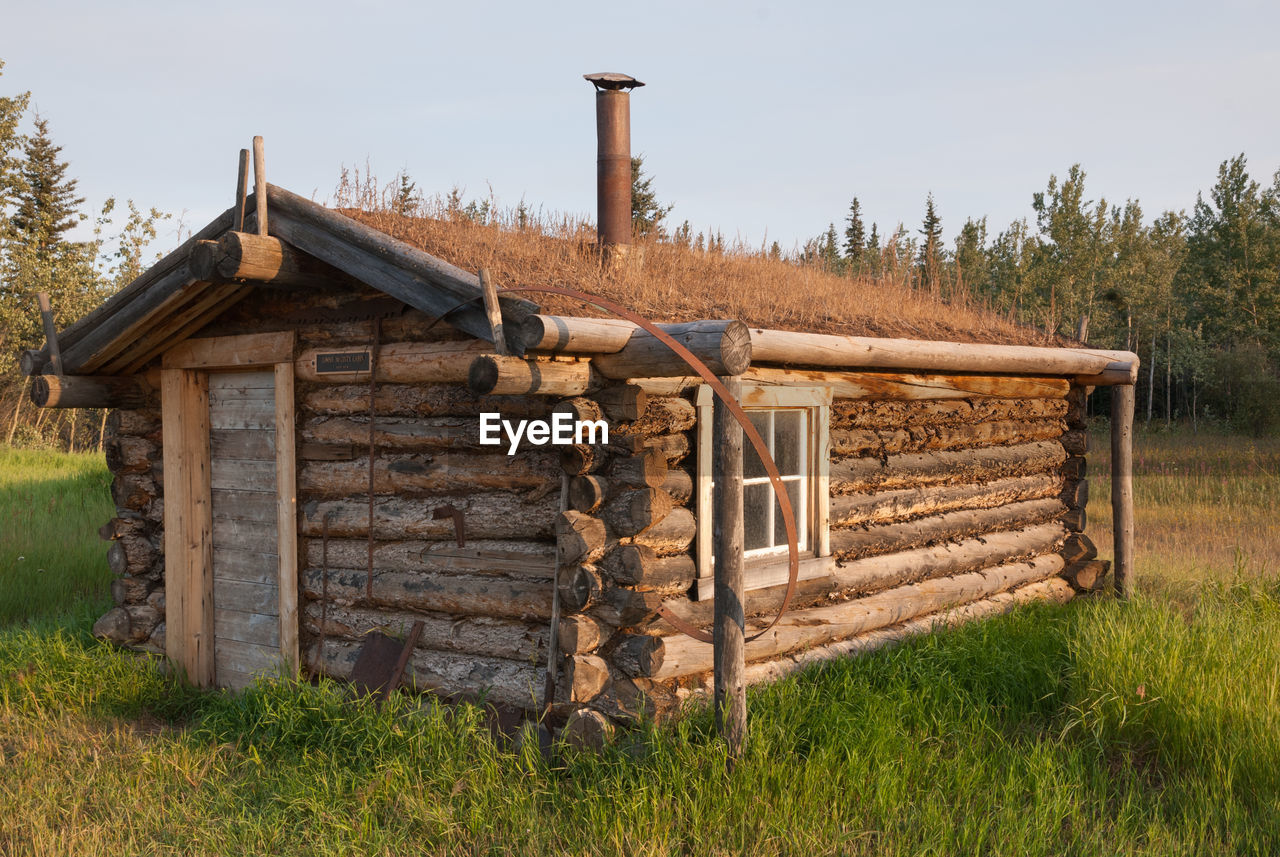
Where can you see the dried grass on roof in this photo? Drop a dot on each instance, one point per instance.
(670, 282)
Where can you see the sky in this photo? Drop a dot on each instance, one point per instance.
(758, 120)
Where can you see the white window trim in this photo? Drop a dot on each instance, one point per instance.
(771, 569)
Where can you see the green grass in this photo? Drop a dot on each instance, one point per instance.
(51, 561)
(1151, 727)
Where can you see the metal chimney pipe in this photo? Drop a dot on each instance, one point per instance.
(613, 158)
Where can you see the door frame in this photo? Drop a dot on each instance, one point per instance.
(188, 503)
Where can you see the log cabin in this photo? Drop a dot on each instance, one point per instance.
(295, 445)
(295, 449)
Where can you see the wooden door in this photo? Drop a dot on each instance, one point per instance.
(246, 534)
(230, 510)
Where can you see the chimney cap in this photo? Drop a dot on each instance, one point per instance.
(612, 80)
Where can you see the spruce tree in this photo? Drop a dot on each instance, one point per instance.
(647, 214)
(874, 259)
(930, 259)
(854, 234)
(47, 205)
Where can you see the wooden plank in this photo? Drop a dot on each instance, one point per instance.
(234, 473)
(187, 324)
(287, 515)
(246, 597)
(244, 414)
(218, 352)
(160, 330)
(243, 444)
(254, 379)
(238, 626)
(245, 505)
(259, 536)
(233, 561)
(233, 679)
(249, 658)
(188, 523)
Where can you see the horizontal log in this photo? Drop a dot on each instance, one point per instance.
(1075, 467)
(134, 423)
(825, 350)
(638, 655)
(495, 515)
(1078, 548)
(126, 454)
(672, 535)
(580, 633)
(1076, 494)
(603, 336)
(824, 581)
(639, 566)
(886, 506)
(621, 607)
(582, 678)
(418, 400)
(396, 433)
(422, 475)
(580, 408)
(532, 560)
(621, 402)
(1076, 442)
(635, 511)
(133, 491)
(580, 586)
(397, 362)
(580, 538)
(896, 413)
(822, 625)
(855, 543)
(453, 593)
(679, 485)
(1075, 520)
(499, 680)
(261, 258)
(85, 391)
(472, 635)
(662, 415)
(912, 386)
(1053, 589)
(945, 467)
(893, 441)
(400, 270)
(512, 376)
(588, 731)
(587, 493)
(724, 346)
(1088, 576)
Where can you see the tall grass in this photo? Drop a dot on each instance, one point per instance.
(666, 280)
(51, 505)
(1151, 727)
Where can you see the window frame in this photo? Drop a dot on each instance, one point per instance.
(768, 569)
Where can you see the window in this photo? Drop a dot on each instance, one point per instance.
(793, 423)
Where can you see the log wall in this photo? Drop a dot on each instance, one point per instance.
(941, 509)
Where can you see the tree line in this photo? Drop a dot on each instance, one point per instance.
(1195, 295)
(39, 209)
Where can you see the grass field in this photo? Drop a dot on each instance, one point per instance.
(1096, 728)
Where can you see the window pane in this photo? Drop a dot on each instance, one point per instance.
(751, 464)
(779, 527)
(755, 516)
(788, 443)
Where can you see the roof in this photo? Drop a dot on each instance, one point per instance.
(405, 259)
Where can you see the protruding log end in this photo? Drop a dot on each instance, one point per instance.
(32, 361)
(203, 260)
(639, 655)
(588, 730)
(83, 391)
(512, 376)
(482, 377)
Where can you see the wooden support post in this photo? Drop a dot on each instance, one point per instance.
(242, 192)
(260, 183)
(50, 332)
(1122, 399)
(494, 312)
(553, 638)
(729, 654)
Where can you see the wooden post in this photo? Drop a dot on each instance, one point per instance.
(50, 332)
(260, 183)
(553, 641)
(494, 311)
(1122, 400)
(728, 540)
(242, 191)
